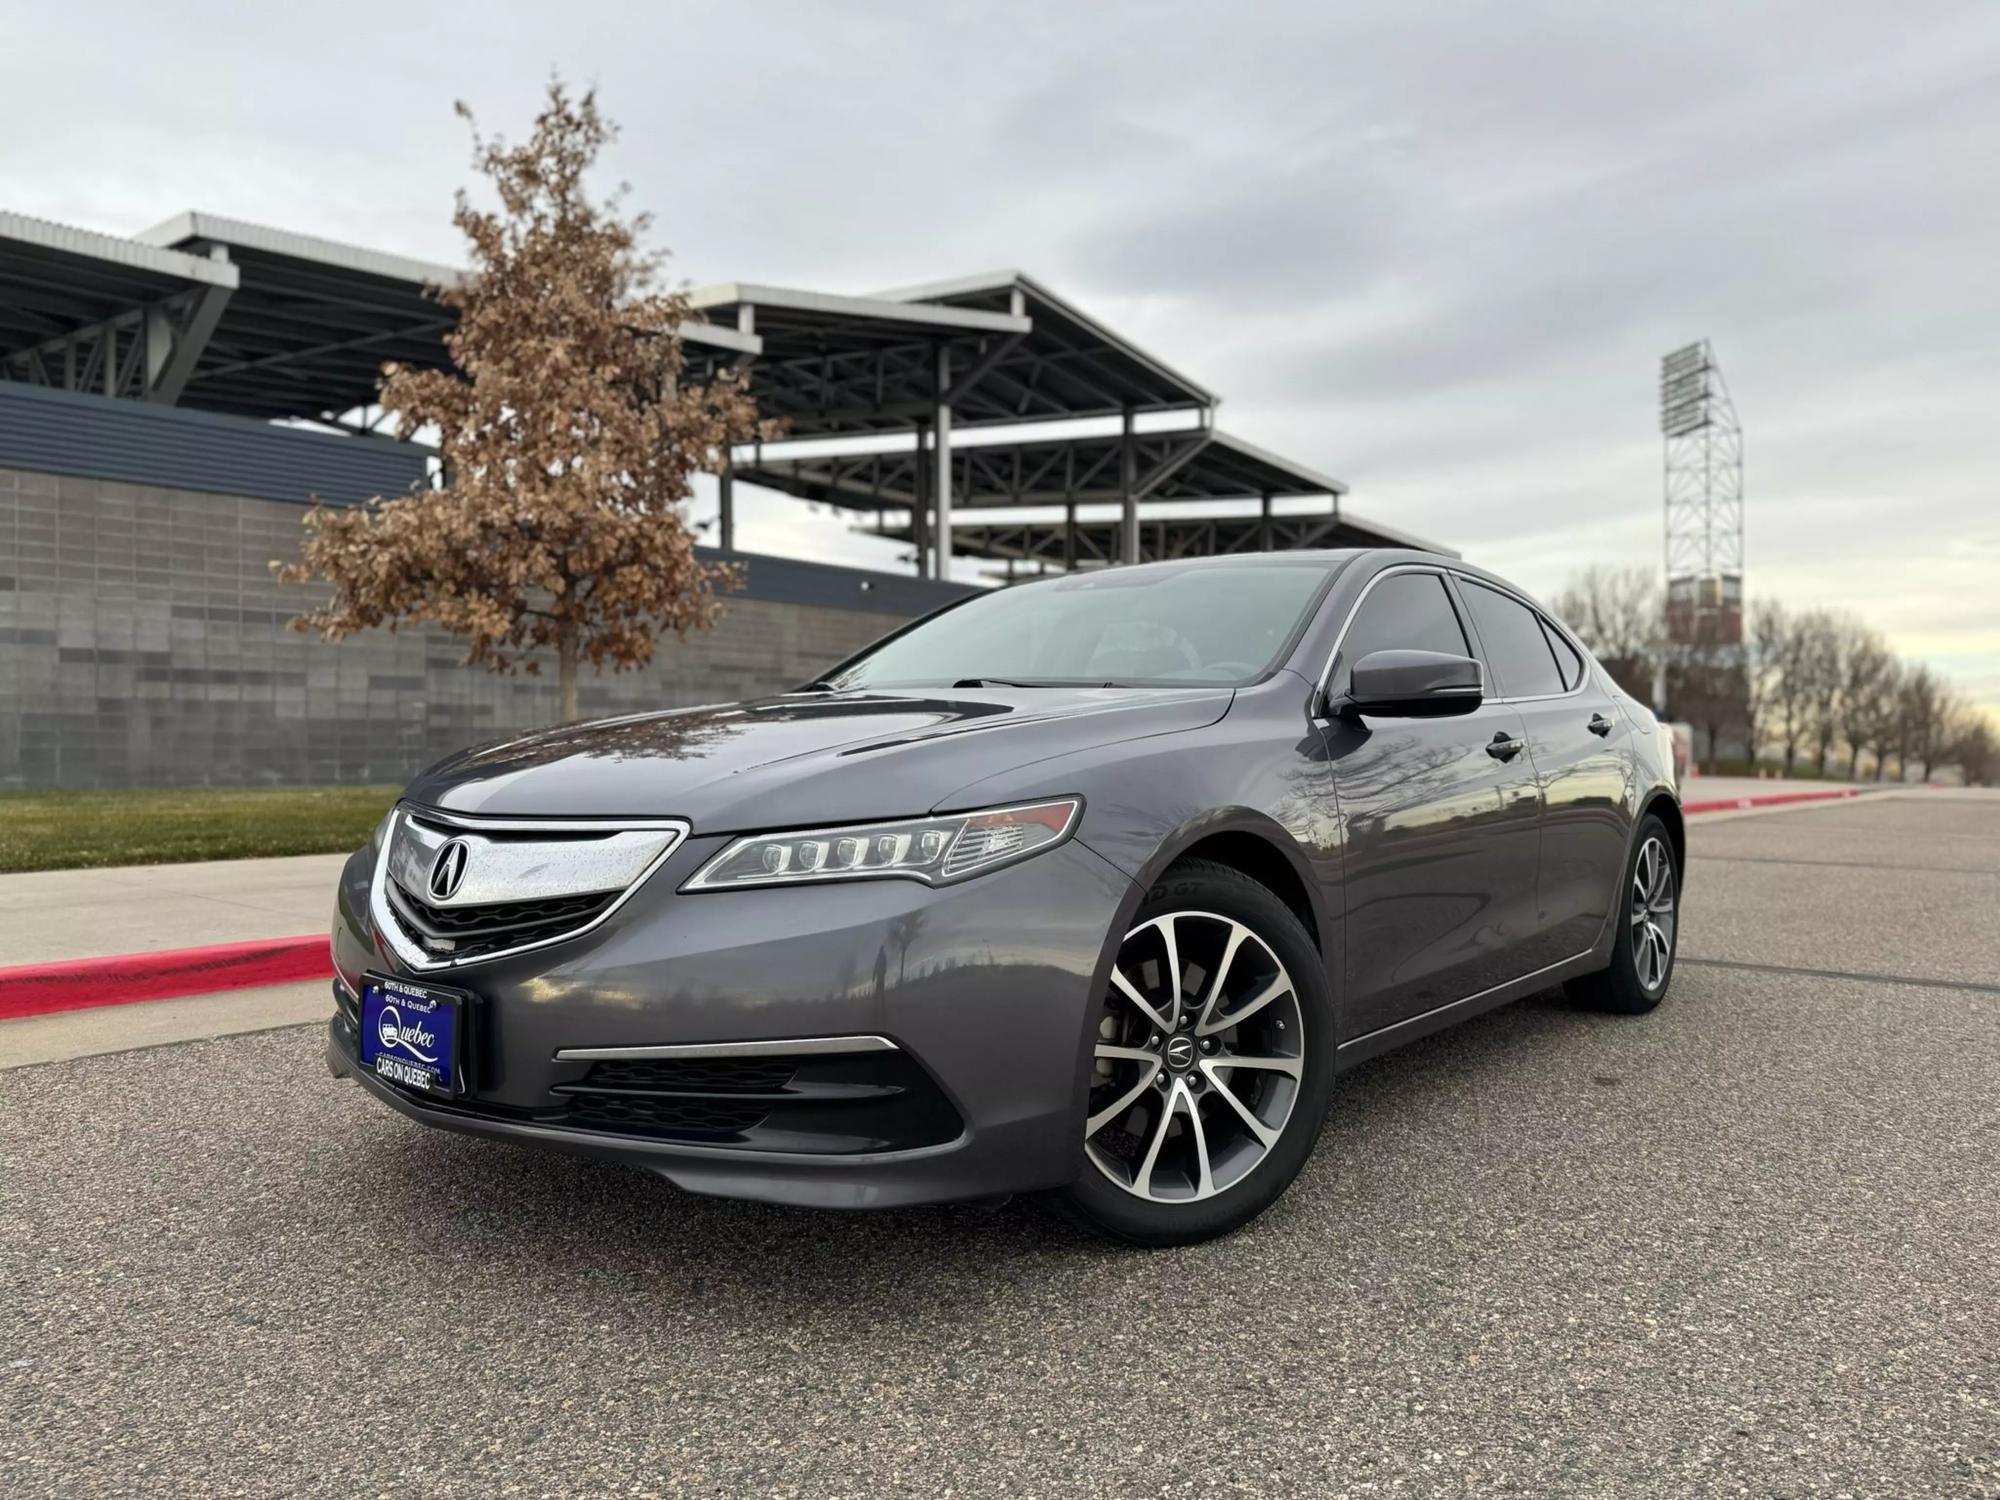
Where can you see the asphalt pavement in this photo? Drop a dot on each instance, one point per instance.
(1746, 1245)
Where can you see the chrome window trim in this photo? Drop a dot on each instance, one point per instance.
(1455, 576)
(412, 956)
(804, 1046)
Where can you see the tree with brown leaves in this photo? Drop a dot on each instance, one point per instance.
(567, 434)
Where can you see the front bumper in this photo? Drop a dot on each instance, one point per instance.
(988, 986)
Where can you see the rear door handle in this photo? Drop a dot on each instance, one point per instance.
(1600, 726)
(1504, 746)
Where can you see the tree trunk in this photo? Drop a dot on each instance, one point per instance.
(1854, 763)
(566, 671)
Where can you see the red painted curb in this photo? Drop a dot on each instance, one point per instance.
(1773, 799)
(77, 984)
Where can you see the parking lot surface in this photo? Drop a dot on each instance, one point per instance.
(1747, 1245)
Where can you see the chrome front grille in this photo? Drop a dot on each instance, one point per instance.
(465, 932)
(451, 889)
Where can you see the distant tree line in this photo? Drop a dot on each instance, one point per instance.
(1814, 689)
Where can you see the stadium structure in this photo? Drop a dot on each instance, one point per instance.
(169, 401)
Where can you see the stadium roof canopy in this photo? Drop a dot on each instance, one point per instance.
(838, 365)
(312, 321)
(300, 326)
(1072, 365)
(994, 349)
(143, 312)
(1048, 546)
(1180, 464)
(226, 316)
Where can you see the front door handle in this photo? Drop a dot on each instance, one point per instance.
(1600, 726)
(1504, 746)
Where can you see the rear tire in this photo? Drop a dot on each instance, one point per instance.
(1207, 1093)
(1648, 918)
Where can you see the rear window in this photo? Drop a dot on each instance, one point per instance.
(1517, 649)
(1567, 661)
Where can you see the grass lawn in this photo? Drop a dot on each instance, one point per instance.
(72, 830)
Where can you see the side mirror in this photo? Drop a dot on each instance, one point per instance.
(1414, 683)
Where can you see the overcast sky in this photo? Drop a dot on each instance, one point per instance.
(1436, 251)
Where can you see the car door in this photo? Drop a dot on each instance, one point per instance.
(1439, 820)
(1576, 736)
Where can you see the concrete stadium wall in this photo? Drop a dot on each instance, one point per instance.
(143, 642)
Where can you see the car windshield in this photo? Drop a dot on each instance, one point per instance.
(1123, 627)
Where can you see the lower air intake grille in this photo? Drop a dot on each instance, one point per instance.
(675, 1116)
(721, 1075)
(830, 1103)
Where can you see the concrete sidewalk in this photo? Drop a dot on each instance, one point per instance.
(1714, 788)
(54, 916)
(49, 916)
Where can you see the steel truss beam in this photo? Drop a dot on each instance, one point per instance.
(143, 353)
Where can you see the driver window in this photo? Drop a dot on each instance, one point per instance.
(1403, 612)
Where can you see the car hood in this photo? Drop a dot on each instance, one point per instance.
(800, 759)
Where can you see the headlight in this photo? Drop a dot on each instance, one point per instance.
(381, 833)
(933, 850)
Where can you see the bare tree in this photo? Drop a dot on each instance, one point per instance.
(1767, 668)
(1705, 687)
(1866, 693)
(1976, 748)
(1804, 681)
(1791, 698)
(1925, 709)
(1825, 640)
(1619, 613)
(567, 435)
(1887, 729)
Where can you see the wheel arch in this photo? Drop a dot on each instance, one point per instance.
(1662, 805)
(1254, 845)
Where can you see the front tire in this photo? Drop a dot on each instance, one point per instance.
(1648, 917)
(1213, 1063)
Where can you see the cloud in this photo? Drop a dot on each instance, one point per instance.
(1437, 252)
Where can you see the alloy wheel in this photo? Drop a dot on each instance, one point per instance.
(1199, 1057)
(1653, 914)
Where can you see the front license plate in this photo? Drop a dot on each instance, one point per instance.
(410, 1033)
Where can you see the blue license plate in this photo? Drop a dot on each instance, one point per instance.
(410, 1034)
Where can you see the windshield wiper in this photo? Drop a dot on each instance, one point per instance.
(980, 682)
(1016, 682)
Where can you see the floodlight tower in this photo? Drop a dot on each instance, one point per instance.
(1704, 491)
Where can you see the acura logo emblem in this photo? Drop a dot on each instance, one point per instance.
(448, 870)
(1180, 1052)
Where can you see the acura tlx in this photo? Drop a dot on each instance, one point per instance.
(1088, 887)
